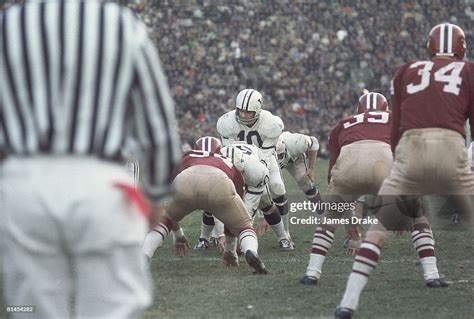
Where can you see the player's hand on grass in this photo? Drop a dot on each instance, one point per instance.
(352, 232)
(221, 244)
(180, 245)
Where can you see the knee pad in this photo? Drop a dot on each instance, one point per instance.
(271, 215)
(281, 203)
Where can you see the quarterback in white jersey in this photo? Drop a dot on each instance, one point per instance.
(252, 125)
(248, 160)
(297, 153)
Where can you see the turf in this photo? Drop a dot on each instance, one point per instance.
(198, 286)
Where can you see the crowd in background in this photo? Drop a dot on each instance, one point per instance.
(310, 59)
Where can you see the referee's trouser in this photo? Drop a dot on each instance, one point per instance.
(70, 240)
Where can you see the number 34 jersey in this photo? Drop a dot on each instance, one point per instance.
(436, 93)
(263, 134)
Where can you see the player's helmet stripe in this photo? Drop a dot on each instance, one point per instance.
(372, 101)
(248, 101)
(209, 144)
(243, 100)
(450, 38)
(441, 38)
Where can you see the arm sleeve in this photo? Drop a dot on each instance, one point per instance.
(154, 116)
(223, 131)
(268, 148)
(395, 92)
(471, 97)
(239, 183)
(314, 144)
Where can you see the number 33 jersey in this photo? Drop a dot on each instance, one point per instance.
(263, 134)
(429, 94)
(375, 126)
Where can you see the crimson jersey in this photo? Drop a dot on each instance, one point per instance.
(436, 93)
(364, 126)
(194, 157)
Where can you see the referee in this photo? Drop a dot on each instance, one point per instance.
(77, 80)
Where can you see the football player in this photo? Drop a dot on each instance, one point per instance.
(432, 99)
(297, 153)
(247, 159)
(360, 159)
(209, 181)
(252, 125)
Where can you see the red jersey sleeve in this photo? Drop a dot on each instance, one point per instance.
(395, 89)
(470, 79)
(239, 182)
(334, 148)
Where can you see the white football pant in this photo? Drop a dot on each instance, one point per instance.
(67, 233)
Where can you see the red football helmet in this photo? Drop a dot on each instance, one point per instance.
(372, 101)
(447, 39)
(208, 144)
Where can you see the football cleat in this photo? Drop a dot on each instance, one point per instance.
(230, 259)
(255, 262)
(343, 313)
(436, 283)
(309, 280)
(201, 244)
(286, 244)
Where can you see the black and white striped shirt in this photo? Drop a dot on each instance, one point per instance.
(82, 77)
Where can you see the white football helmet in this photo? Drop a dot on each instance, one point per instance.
(249, 100)
(281, 150)
(235, 155)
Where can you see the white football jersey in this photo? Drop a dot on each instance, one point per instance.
(292, 146)
(263, 134)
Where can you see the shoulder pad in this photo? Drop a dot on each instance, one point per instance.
(271, 125)
(297, 144)
(227, 124)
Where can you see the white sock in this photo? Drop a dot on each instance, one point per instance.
(154, 239)
(279, 231)
(430, 270)
(365, 262)
(424, 245)
(315, 264)
(322, 242)
(248, 240)
(354, 287)
(286, 222)
(206, 231)
(218, 230)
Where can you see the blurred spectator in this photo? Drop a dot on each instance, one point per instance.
(317, 54)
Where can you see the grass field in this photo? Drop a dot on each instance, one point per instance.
(198, 286)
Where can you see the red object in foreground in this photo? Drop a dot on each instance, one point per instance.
(136, 197)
